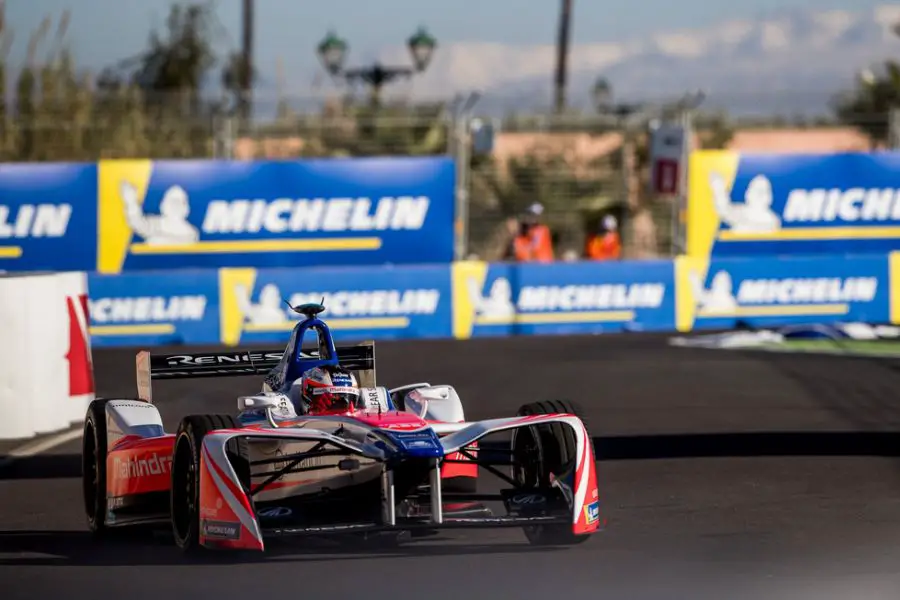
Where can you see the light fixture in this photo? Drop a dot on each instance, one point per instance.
(421, 46)
(332, 52)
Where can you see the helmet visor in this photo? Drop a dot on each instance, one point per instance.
(337, 397)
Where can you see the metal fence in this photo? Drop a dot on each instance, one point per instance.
(579, 167)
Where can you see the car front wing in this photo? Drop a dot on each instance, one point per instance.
(228, 521)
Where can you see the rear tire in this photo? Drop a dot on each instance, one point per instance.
(542, 450)
(93, 468)
(185, 494)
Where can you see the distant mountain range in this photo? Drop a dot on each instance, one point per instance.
(790, 64)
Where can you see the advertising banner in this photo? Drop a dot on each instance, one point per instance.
(211, 214)
(154, 308)
(786, 204)
(562, 298)
(48, 217)
(766, 292)
(360, 302)
(241, 306)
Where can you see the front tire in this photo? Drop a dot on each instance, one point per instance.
(185, 494)
(543, 450)
(93, 468)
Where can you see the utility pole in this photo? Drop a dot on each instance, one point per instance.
(562, 54)
(247, 58)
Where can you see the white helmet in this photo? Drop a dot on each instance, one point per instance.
(329, 389)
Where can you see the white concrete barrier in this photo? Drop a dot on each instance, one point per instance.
(46, 373)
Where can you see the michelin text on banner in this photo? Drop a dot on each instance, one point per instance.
(767, 292)
(787, 204)
(154, 308)
(210, 214)
(562, 298)
(472, 299)
(360, 302)
(48, 217)
(128, 215)
(246, 305)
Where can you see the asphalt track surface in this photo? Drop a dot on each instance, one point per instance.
(723, 475)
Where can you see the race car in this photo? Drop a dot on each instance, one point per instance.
(397, 461)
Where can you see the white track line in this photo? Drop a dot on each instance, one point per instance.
(41, 445)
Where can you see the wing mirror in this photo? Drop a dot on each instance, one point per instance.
(271, 402)
(261, 401)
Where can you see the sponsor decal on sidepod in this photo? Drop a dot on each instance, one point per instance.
(131, 468)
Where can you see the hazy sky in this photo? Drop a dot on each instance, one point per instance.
(103, 31)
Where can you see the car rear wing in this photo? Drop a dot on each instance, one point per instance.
(359, 359)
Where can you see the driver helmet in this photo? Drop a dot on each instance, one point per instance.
(329, 389)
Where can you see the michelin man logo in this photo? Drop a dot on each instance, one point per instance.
(497, 304)
(719, 298)
(170, 226)
(267, 312)
(755, 215)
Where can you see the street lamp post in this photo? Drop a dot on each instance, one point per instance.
(332, 52)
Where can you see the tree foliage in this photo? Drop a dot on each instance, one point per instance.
(868, 106)
(147, 107)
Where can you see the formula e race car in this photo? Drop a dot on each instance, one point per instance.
(401, 463)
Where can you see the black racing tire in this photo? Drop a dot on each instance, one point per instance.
(185, 490)
(93, 468)
(539, 451)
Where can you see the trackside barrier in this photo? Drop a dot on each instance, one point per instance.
(771, 292)
(120, 216)
(473, 299)
(46, 374)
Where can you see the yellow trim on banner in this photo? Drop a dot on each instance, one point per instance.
(212, 247)
(894, 279)
(10, 252)
(465, 275)
(150, 329)
(702, 218)
(813, 233)
(113, 233)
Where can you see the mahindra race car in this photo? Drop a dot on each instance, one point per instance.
(402, 460)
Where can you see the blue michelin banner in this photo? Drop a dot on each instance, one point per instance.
(238, 306)
(212, 214)
(562, 298)
(154, 308)
(787, 204)
(360, 302)
(766, 292)
(249, 306)
(48, 217)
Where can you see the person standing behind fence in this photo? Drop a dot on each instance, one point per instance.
(605, 244)
(533, 242)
